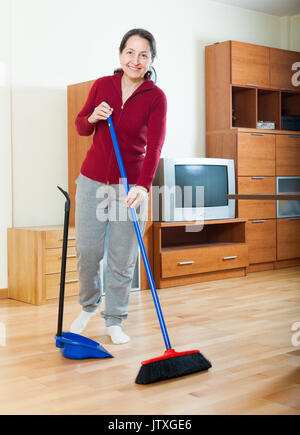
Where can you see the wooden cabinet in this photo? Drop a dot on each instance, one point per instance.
(256, 154)
(250, 64)
(77, 145)
(213, 250)
(255, 86)
(34, 263)
(247, 83)
(288, 155)
(288, 238)
(281, 72)
(261, 240)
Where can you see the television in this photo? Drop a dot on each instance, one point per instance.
(193, 189)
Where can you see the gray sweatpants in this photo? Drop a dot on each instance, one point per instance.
(97, 206)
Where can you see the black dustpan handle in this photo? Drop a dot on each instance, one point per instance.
(63, 263)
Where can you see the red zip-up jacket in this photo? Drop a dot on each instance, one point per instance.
(140, 128)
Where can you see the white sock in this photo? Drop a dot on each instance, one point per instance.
(117, 335)
(81, 321)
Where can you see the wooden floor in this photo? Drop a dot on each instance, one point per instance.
(242, 325)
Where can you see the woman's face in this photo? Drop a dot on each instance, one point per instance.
(136, 58)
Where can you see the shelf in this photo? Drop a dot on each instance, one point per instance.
(244, 106)
(265, 131)
(216, 234)
(290, 103)
(269, 106)
(250, 105)
(197, 246)
(192, 223)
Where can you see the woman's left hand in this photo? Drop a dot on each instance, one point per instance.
(136, 195)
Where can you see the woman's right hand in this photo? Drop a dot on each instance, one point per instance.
(101, 113)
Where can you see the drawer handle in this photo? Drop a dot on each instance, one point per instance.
(287, 89)
(232, 257)
(182, 263)
(258, 178)
(295, 218)
(294, 135)
(71, 280)
(258, 134)
(252, 84)
(71, 256)
(258, 221)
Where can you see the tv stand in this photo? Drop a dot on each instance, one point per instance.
(190, 252)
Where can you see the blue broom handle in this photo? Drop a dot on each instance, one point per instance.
(140, 237)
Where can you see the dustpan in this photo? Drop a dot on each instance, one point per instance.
(73, 346)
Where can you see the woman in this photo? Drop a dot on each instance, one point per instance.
(138, 109)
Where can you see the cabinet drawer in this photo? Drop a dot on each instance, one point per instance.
(54, 238)
(203, 259)
(250, 64)
(288, 238)
(256, 154)
(53, 260)
(256, 209)
(288, 155)
(53, 285)
(261, 240)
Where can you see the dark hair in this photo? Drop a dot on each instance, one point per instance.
(150, 38)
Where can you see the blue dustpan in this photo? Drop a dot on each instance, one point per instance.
(75, 346)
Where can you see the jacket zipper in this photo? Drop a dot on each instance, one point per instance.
(122, 108)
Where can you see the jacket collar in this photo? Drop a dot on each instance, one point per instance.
(146, 85)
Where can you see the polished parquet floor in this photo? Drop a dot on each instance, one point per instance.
(242, 325)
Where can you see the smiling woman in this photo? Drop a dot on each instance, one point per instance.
(138, 109)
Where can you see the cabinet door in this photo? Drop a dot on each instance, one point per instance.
(250, 64)
(256, 154)
(288, 155)
(261, 240)
(78, 145)
(281, 72)
(288, 238)
(256, 209)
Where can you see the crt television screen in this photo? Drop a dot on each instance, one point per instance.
(192, 181)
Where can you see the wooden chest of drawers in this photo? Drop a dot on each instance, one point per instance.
(34, 263)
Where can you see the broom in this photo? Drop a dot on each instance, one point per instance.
(171, 364)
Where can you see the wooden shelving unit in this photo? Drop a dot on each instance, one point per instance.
(188, 252)
(247, 83)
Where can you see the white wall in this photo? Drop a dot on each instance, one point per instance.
(61, 42)
(5, 139)
(295, 33)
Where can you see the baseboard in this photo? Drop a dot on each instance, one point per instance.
(3, 293)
